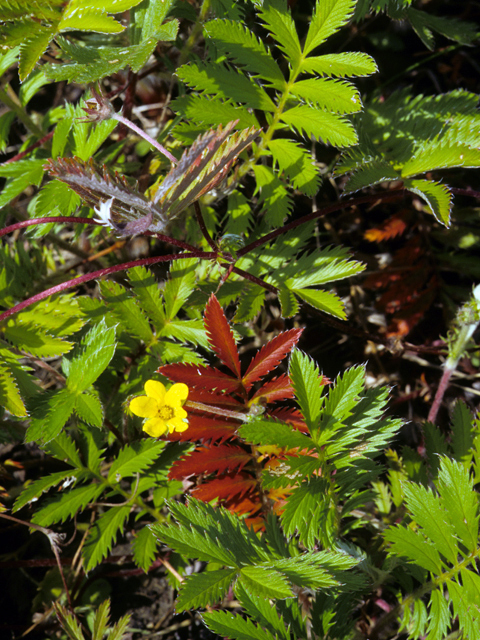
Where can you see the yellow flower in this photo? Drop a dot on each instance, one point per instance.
(162, 408)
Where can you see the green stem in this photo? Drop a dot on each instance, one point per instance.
(131, 498)
(10, 98)
(409, 600)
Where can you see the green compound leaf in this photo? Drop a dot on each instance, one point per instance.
(297, 165)
(97, 349)
(265, 582)
(228, 625)
(67, 505)
(213, 111)
(59, 193)
(100, 620)
(315, 569)
(193, 544)
(69, 624)
(219, 80)
(250, 302)
(262, 611)
(87, 19)
(211, 534)
(135, 458)
(424, 23)
(242, 46)
(32, 49)
(435, 155)
(270, 432)
(275, 199)
(203, 589)
(148, 19)
(323, 125)
(427, 511)
(305, 511)
(413, 546)
(437, 196)
(369, 174)
(148, 295)
(179, 287)
(34, 340)
(462, 433)
(306, 381)
(459, 500)
(333, 95)
(112, 6)
(64, 448)
(89, 409)
(36, 488)
(50, 417)
(341, 401)
(288, 302)
(278, 21)
(468, 618)
(329, 16)
(10, 397)
(274, 196)
(144, 548)
(103, 534)
(322, 300)
(90, 63)
(20, 175)
(126, 310)
(439, 616)
(352, 64)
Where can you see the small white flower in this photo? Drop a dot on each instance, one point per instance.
(103, 212)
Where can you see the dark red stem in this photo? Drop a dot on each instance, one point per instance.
(465, 192)
(318, 214)
(28, 223)
(203, 255)
(203, 228)
(252, 278)
(36, 144)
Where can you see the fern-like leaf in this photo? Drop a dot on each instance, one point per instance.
(329, 16)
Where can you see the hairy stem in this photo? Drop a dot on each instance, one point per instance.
(131, 125)
(70, 284)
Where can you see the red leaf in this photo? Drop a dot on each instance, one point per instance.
(270, 356)
(217, 459)
(206, 396)
(277, 389)
(251, 504)
(220, 335)
(229, 485)
(291, 416)
(194, 375)
(205, 429)
(392, 227)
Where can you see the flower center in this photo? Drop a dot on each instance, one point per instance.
(166, 413)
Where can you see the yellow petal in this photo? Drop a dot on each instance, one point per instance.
(181, 413)
(155, 427)
(177, 424)
(176, 395)
(155, 389)
(144, 407)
